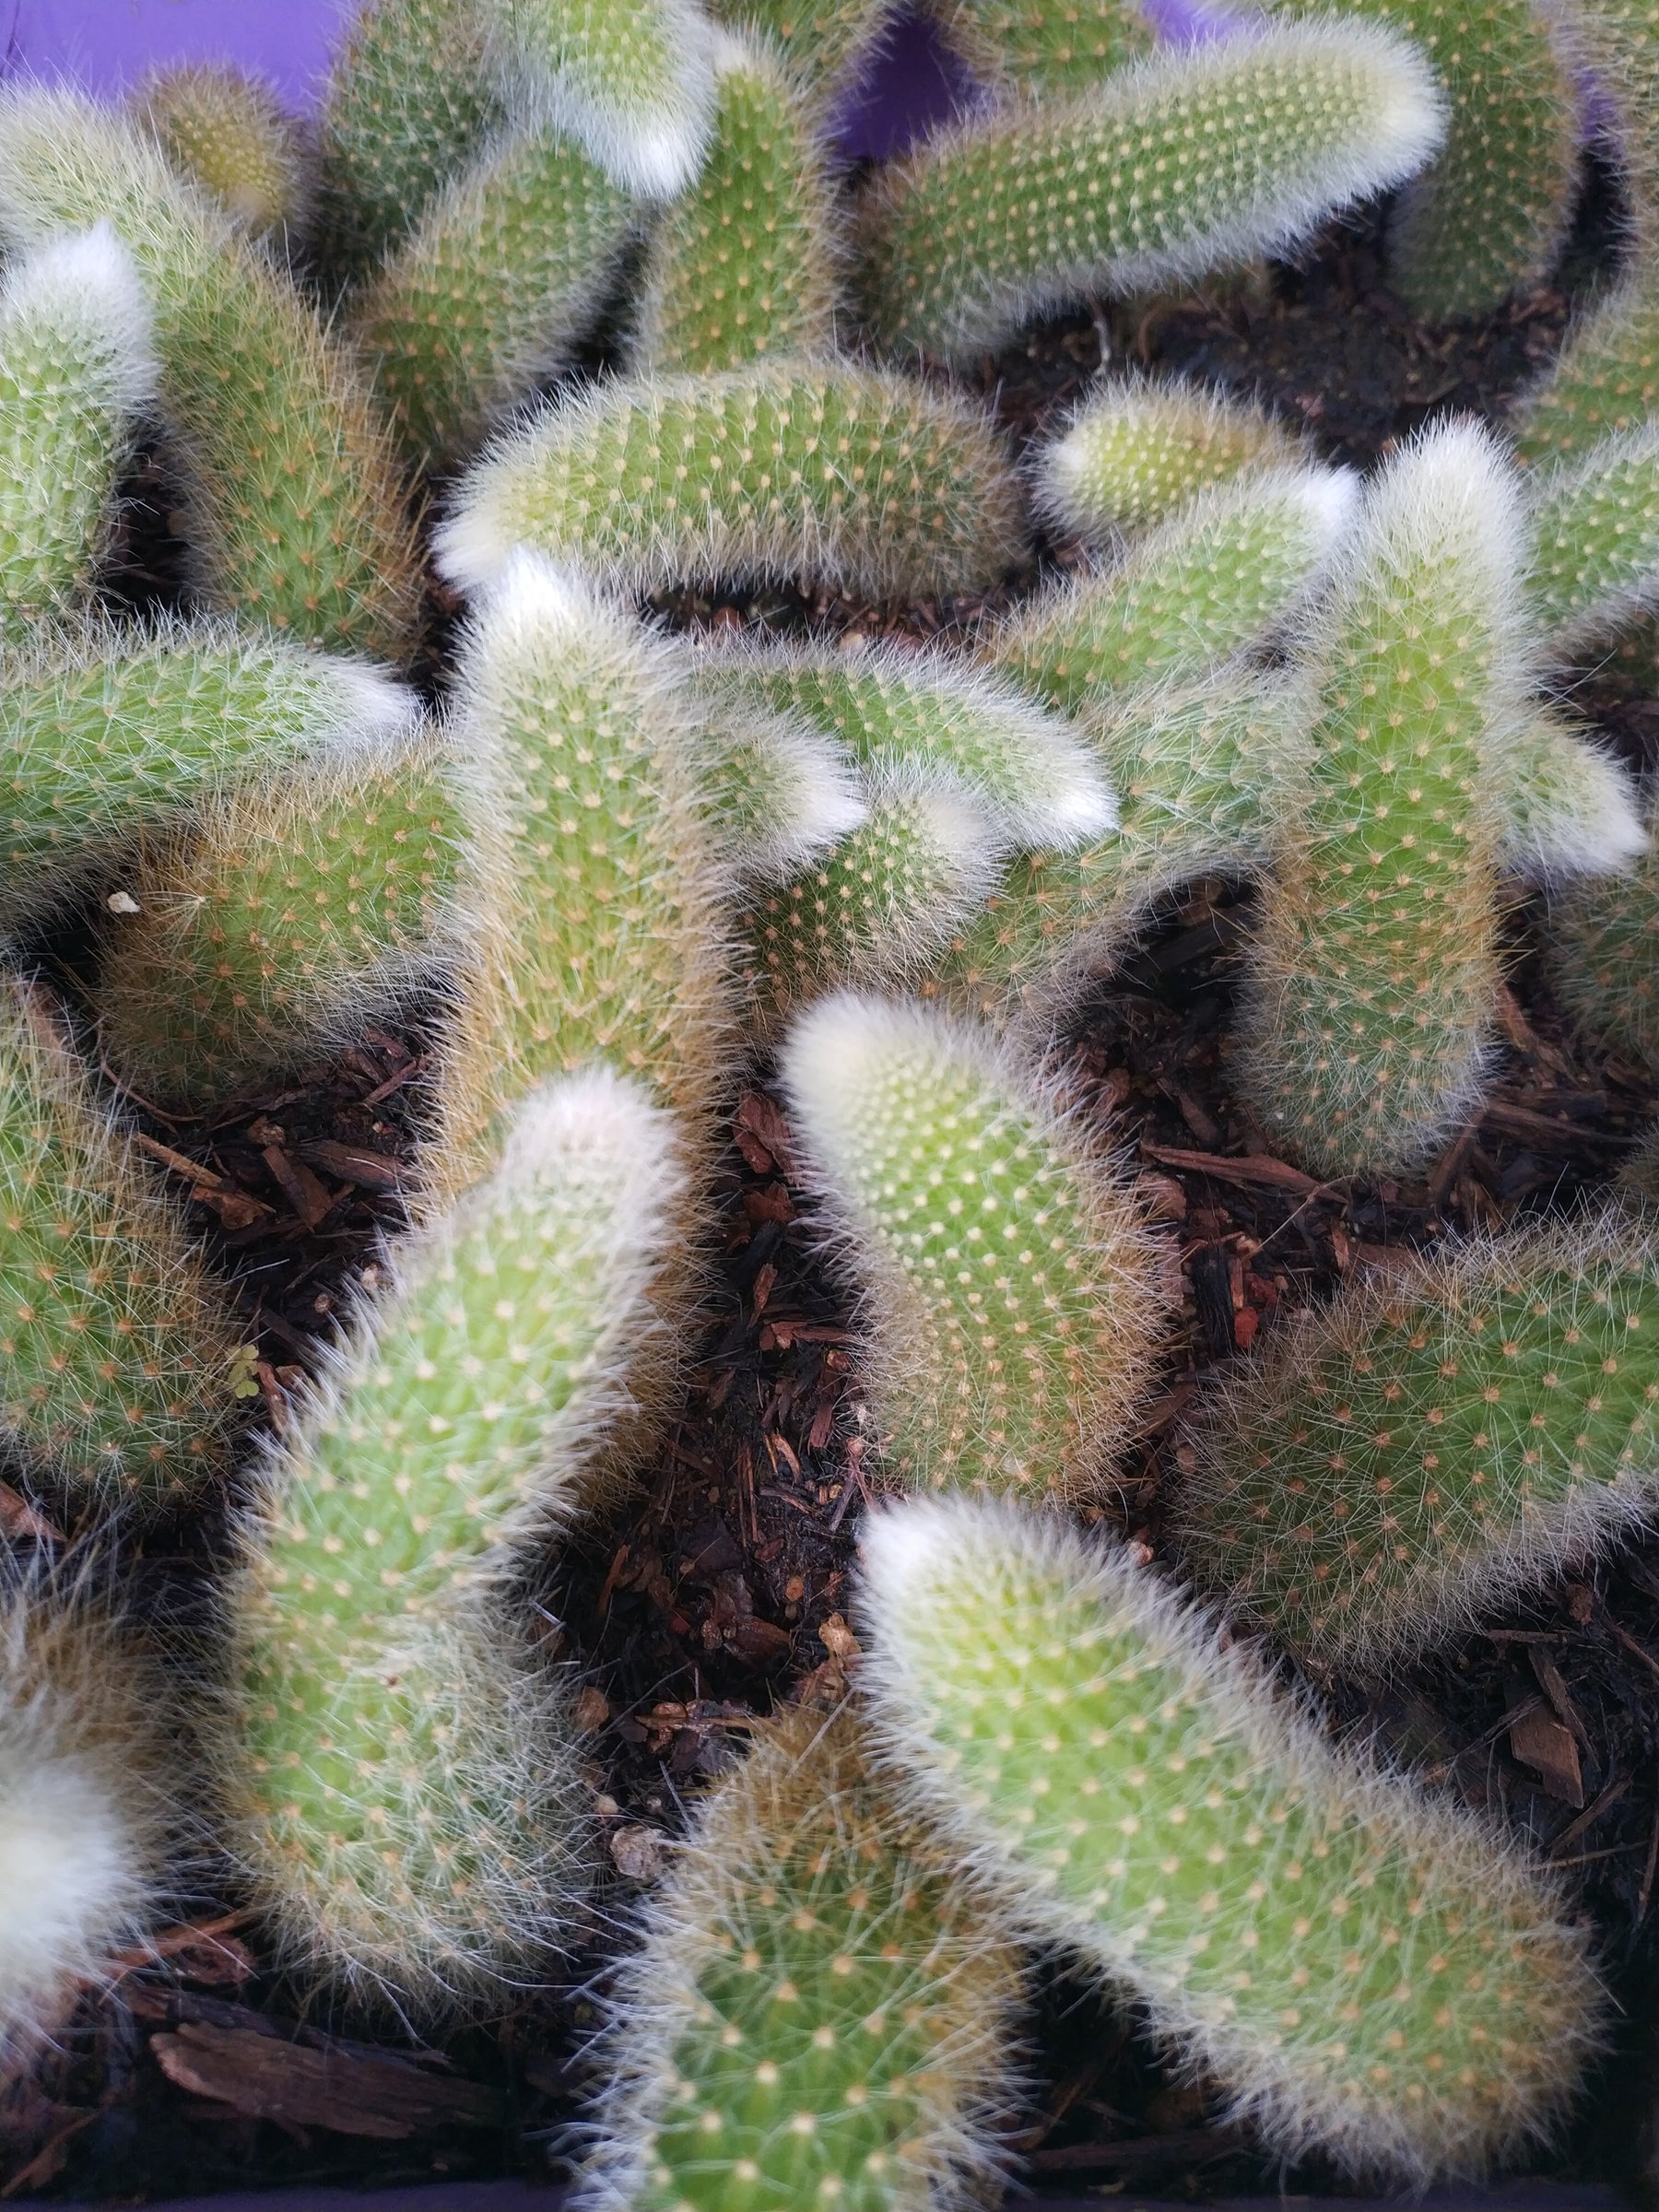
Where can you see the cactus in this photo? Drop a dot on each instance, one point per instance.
(409, 100)
(503, 277)
(631, 80)
(1604, 380)
(1043, 48)
(115, 1360)
(1230, 567)
(1602, 953)
(1570, 806)
(1619, 53)
(1365, 1968)
(1133, 451)
(296, 513)
(830, 43)
(1012, 1288)
(75, 366)
(1182, 163)
(881, 906)
(1595, 564)
(899, 710)
(776, 793)
(399, 1782)
(84, 1826)
(743, 267)
(1363, 1028)
(292, 914)
(105, 737)
(818, 2014)
(226, 131)
(857, 478)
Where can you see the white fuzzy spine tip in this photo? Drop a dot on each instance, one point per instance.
(820, 799)
(833, 1049)
(599, 1133)
(90, 278)
(532, 598)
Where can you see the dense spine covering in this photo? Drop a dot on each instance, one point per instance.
(849, 477)
(1184, 162)
(75, 367)
(1011, 1289)
(1427, 1447)
(1363, 1029)
(399, 1776)
(105, 737)
(115, 1356)
(1595, 562)
(1602, 953)
(1045, 47)
(744, 266)
(828, 42)
(776, 793)
(502, 278)
(1569, 805)
(297, 516)
(226, 131)
(1366, 1970)
(289, 917)
(1621, 42)
(1604, 380)
(819, 2014)
(1133, 451)
(1232, 565)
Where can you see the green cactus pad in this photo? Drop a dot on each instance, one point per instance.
(1594, 565)
(226, 131)
(1135, 451)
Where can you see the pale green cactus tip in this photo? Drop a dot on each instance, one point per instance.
(856, 478)
(1571, 807)
(631, 80)
(1135, 450)
(1405, 1461)
(1013, 1293)
(1365, 1024)
(776, 792)
(226, 131)
(399, 1774)
(116, 1357)
(1594, 565)
(1604, 380)
(1366, 1970)
(1602, 952)
(77, 368)
(819, 2015)
(1252, 141)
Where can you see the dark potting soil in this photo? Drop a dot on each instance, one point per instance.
(726, 1581)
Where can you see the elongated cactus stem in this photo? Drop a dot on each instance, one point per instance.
(226, 132)
(1595, 564)
(1604, 380)
(1135, 451)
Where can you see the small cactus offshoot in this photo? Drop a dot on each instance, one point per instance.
(1011, 1287)
(226, 132)
(776, 793)
(1570, 807)
(1606, 378)
(1365, 1968)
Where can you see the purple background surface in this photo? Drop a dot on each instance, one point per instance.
(106, 44)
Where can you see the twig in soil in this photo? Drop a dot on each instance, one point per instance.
(1246, 1168)
(1588, 1819)
(1631, 1644)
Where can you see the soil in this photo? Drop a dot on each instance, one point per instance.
(726, 1580)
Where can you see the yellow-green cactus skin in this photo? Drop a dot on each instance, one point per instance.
(1135, 450)
(226, 131)
(1605, 379)
(1602, 953)
(1040, 48)
(1594, 566)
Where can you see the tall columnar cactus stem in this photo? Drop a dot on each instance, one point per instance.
(1595, 563)
(502, 279)
(1366, 1969)
(1570, 807)
(1602, 953)
(1186, 161)
(1044, 47)
(1604, 380)
(1232, 566)
(293, 913)
(399, 1777)
(1135, 451)
(83, 1787)
(1363, 1029)
(881, 906)
(851, 477)
(227, 132)
(1411, 1456)
(115, 1356)
(75, 366)
(776, 793)
(295, 512)
(819, 2015)
(901, 711)
(1012, 1288)
(104, 738)
(631, 80)
(743, 267)
(410, 99)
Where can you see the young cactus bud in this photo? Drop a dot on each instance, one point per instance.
(105, 737)
(881, 906)
(1044, 47)
(295, 912)
(1570, 807)
(75, 366)
(1256, 140)
(743, 267)
(1374, 973)
(1133, 453)
(776, 793)
(502, 279)
(817, 2015)
(1232, 566)
(1602, 953)
(1365, 1968)
(1595, 542)
(400, 1779)
(900, 711)
(409, 100)
(1407, 1459)
(630, 80)
(1012, 1287)
(656, 481)
(297, 515)
(1604, 380)
(115, 1356)
(226, 132)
